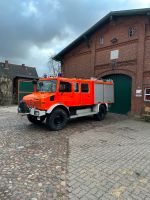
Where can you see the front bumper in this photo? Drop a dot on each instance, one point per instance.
(24, 109)
(36, 112)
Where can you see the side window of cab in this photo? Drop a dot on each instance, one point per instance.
(85, 87)
(76, 87)
(64, 87)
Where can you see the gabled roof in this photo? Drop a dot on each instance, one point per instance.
(100, 23)
(12, 71)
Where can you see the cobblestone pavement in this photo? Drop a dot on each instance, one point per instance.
(110, 162)
(33, 160)
(107, 160)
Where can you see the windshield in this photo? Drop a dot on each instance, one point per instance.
(47, 86)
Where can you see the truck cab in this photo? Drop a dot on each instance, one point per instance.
(58, 99)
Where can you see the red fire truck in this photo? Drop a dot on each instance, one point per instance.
(58, 99)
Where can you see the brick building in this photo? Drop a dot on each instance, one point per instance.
(10, 75)
(116, 47)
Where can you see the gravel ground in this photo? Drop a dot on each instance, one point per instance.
(33, 160)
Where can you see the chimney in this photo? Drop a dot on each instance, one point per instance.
(6, 64)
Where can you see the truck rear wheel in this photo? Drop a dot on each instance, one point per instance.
(101, 114)
(34, 120)
(57, 120)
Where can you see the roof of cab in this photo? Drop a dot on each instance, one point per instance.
(77, 80)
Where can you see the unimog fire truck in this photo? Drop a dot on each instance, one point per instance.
(58, 99)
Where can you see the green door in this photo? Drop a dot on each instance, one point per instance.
(122, 93)
(25, 87)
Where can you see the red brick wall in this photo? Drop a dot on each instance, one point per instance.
(77, 61)
(134, 55)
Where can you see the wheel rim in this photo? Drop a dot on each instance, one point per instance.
(58, 121)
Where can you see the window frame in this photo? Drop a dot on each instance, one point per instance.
(88, 87)
(146, 94)
(101, 39)
(74, 87)
(61, 91)
(131, 32)
(47, 81)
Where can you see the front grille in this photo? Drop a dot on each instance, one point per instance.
(23, 108)
(33, 104)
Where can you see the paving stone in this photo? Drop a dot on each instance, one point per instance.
(107, 160)
(32, 159)
(112, 161)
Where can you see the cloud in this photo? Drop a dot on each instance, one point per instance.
(31, 30)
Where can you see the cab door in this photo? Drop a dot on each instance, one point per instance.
(65, 94)
(86, 93)
(76, 94)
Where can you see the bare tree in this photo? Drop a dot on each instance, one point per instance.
(54, 66)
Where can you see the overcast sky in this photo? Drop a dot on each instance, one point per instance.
(32, 30)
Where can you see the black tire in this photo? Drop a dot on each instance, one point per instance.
(102, 113)
(57, 120)
(34, 120)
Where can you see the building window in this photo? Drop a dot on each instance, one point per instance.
(84, 87)
(114, 54)
(65, 87)
(101, 40)
(147, 94)
(76, 87)
(131, 31)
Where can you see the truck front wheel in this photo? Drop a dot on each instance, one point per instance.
(34, 120)
(101, 114)
(57, 119)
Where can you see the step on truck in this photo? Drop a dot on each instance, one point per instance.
(57, 99)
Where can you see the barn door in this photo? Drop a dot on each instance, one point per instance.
(25, 87)
(122, 93)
